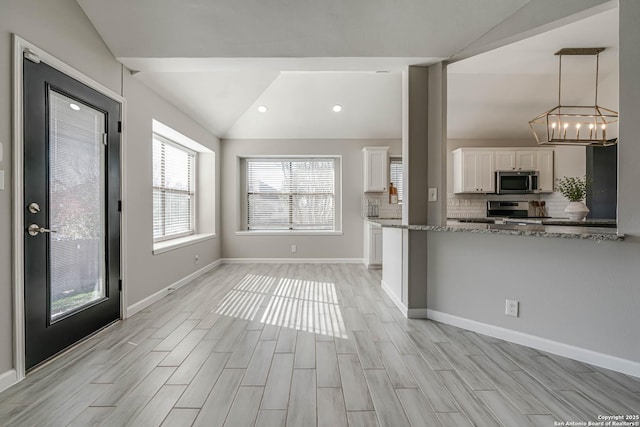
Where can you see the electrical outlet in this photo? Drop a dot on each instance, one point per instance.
(196, 260)
(511, 308)
(433, 194)
(294, 249)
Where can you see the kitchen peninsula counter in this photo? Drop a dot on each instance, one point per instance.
(536, 230)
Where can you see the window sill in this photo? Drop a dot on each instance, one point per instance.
(180, 242)
(289, 233)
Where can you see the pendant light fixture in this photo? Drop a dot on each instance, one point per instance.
(590, 125)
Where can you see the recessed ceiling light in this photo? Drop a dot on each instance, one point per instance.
(74, 107)
(262, 108)
(337, 108)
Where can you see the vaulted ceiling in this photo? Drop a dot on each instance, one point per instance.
(219, 60)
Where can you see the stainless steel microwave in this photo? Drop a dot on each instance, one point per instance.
(510, 182)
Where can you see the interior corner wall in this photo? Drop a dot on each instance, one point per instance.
(61, 28)
(348, 245)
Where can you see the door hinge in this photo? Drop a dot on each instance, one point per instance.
(105, 139)
(119, 127)
(31, 56)
(120, 284)
(119, 205)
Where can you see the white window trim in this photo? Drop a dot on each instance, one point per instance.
(180, 242)
(194, 207)
(242, 191)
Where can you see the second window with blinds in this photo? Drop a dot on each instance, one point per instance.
(292, 194)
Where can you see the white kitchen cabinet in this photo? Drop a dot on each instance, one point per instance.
(473, 171)
(376, 166)
(516, 160)
(372, 245)
(545, 168)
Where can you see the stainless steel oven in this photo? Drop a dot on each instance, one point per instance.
(510, 182)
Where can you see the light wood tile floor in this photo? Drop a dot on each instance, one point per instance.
(305, 345)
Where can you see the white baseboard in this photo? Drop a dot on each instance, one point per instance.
(141, 305)
(387, 290)
(292, 261)
(603, 360)
(7, 379)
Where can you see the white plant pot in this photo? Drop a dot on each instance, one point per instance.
(577, 211)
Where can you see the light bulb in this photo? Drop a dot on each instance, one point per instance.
(591, 126)
(578, 125)
(74, 107)
(553, 125)
(337, 108)
(604, 126)
(262, 108)
(566, 125)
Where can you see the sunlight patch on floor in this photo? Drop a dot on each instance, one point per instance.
(305, 305)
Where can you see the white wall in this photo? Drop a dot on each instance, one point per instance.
(347, 245)
(61, 28)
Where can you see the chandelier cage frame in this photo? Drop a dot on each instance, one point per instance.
(577, 125)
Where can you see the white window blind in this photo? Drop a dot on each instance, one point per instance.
(173, 190)
(291, 194)
(395, 176)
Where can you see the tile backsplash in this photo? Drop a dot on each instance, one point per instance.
(475, 205)
(379, 203)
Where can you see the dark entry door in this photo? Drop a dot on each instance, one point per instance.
(71, 214)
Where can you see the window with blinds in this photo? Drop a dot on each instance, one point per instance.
(291, 194)
(395, 175)
(173, 190)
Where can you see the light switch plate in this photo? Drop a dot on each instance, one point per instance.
(1, 180)
(433, 194)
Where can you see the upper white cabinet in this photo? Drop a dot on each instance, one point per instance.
(376, 166)
(545, 167)
(512, 160)
(473, 171)
(474, 168)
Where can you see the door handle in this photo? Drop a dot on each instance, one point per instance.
(35, 229)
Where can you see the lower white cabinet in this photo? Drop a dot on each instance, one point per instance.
(372, 245)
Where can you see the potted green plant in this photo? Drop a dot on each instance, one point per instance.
(574, 189)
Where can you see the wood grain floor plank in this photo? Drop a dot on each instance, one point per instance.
(241, 356)
(302, 401)
(305, 351)
(354, 385)
(453, 419)
(367, 352)
(286, 341)
(134, 402)
(327, 365)
(244, 410)
(473, 408)
(180, 417)
(387, 406)
(525, 402)
(182, 350)
(215, 409)
(197, 391)
(473, 375)
(430, 352)
(175, 337)
(430, 384)
(271, 418)
(192, 364)
(331, 409)
(159, 407)
(399, 374)
(258, 368)
(503, 409)
(418, 410)
(362, 419)
(276, 393)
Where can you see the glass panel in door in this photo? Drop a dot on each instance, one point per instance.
(76, 206)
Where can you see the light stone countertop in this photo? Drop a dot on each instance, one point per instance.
(560, 231)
